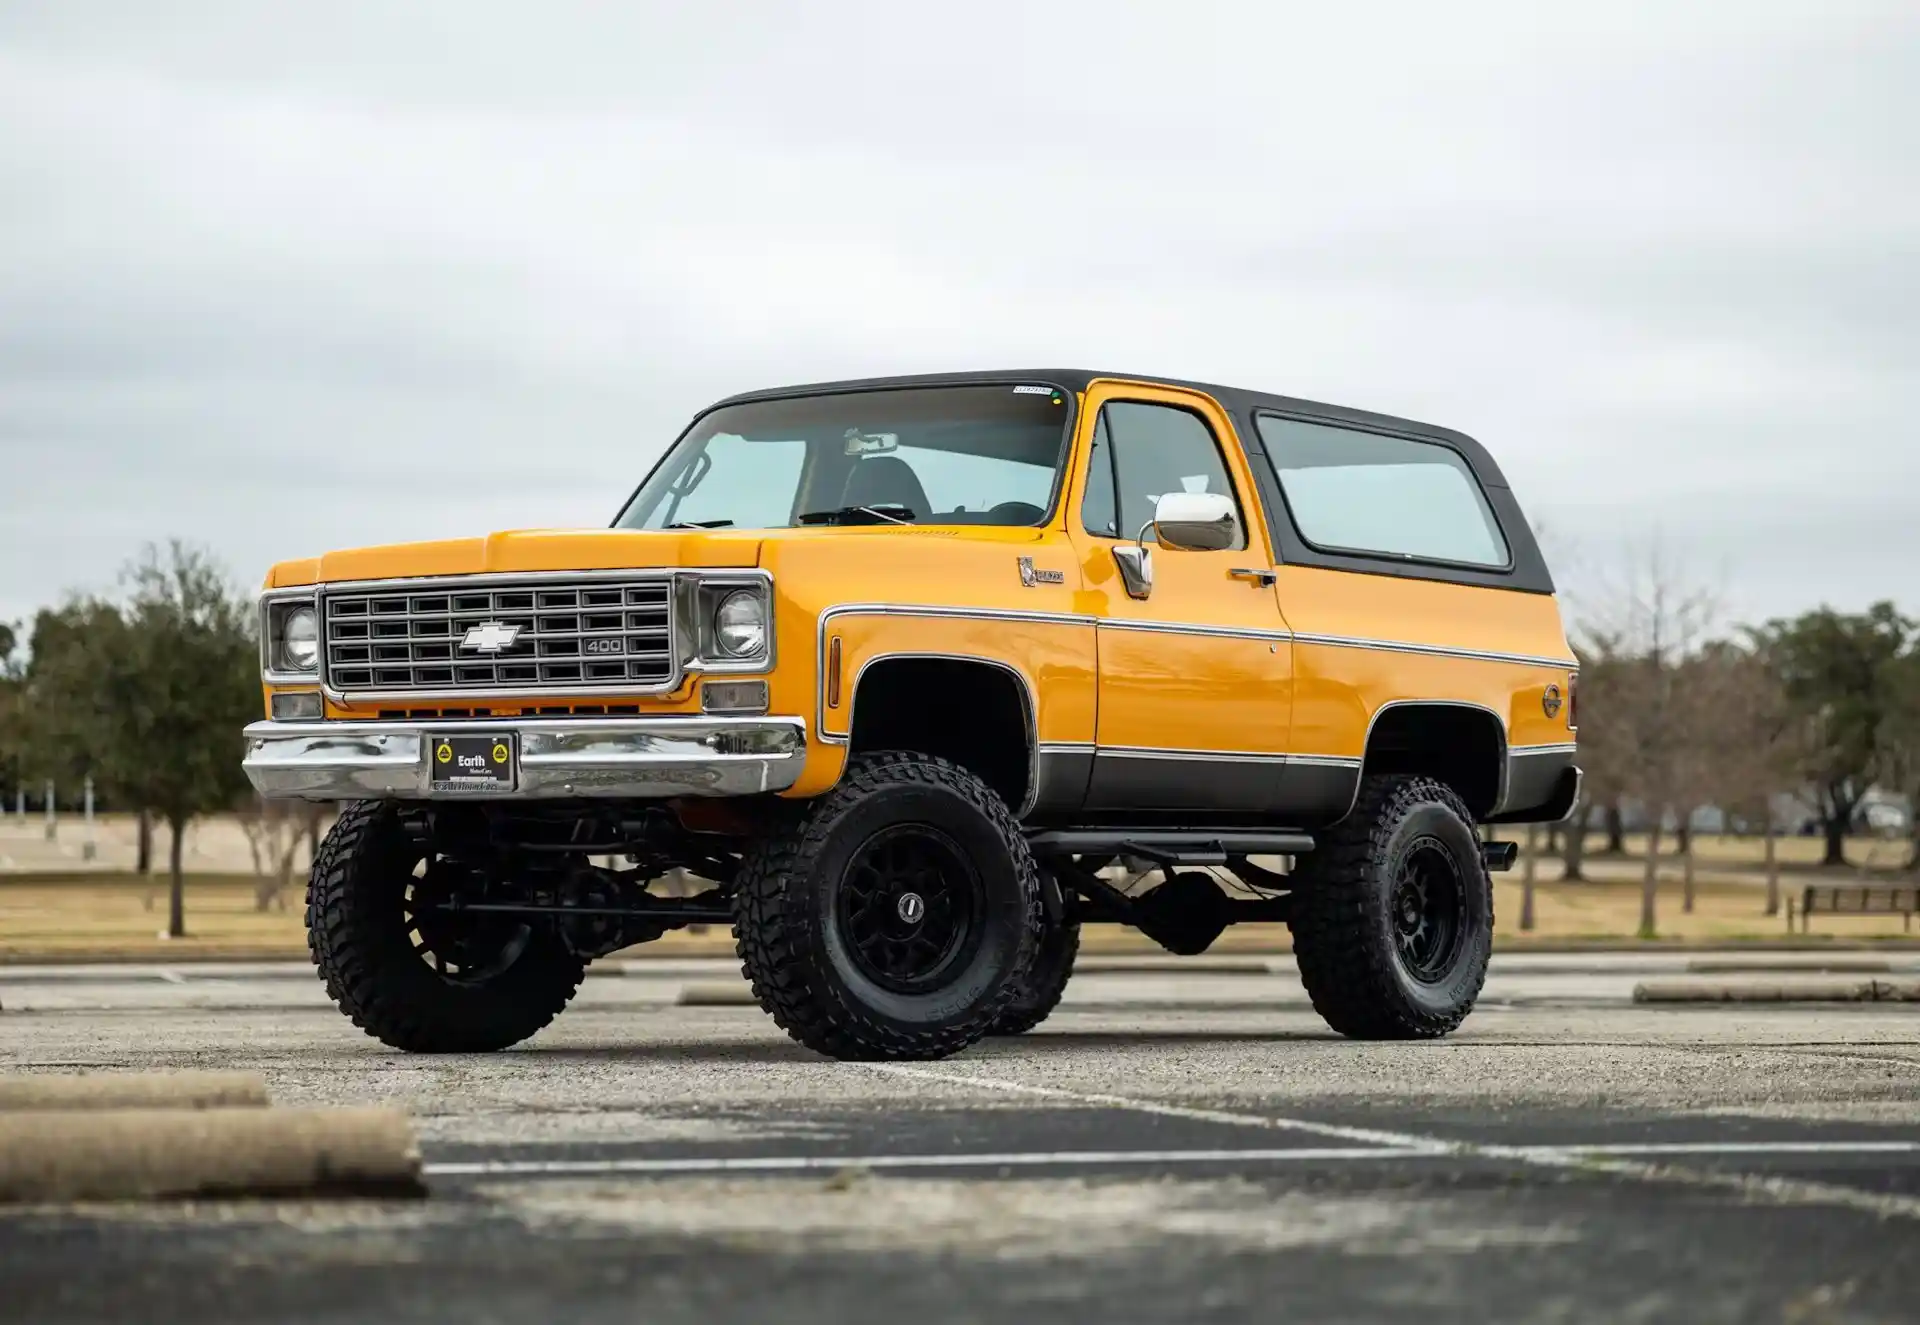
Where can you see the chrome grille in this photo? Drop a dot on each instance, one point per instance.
(593, 635)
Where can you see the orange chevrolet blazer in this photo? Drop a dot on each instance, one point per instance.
(920, 675)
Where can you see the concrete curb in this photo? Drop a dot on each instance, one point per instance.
(716, 994)
(1201, 965)
(1816, 966)
(64, 1092)
(136, 1154)
(1777, 991)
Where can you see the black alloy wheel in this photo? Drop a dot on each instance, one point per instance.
(462, 947)
(1429, 909)
(909, 907)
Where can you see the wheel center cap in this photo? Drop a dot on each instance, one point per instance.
(911, 907)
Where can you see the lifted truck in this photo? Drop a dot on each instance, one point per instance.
(901, 667)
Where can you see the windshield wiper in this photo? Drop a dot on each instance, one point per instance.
(701, 524)
(884, 513)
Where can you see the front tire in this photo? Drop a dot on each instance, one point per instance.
(1393, 914)
(898, 919)
(1046, 982)
(410, 974)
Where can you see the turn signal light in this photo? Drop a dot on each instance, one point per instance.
(733, 697)
(296, 706)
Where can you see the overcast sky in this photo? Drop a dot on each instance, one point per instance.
(283, 278)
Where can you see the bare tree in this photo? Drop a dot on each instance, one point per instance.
(1900, 740)
(275, 831)
(1603, 672)
(1654, 622)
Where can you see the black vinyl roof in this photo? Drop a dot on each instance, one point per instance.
(1240, 403)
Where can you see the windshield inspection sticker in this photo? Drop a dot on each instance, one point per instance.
(1033, 391)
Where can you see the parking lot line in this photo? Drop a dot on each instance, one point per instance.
(701, 1164)
(1640, 1166)
(1364, 1135)
(835, 1163)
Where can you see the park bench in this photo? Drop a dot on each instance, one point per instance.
(1856, 900)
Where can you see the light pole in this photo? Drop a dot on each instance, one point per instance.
(87, 847)
(50, 814)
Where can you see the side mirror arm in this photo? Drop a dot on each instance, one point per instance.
(1136, 564)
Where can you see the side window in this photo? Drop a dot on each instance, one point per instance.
(1352, 491)
(1098, 513)
(1141, 451)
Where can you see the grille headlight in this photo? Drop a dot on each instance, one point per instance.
(740, 624)
(290, 638)
(300, 641)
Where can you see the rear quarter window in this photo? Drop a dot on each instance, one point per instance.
(1377, 495)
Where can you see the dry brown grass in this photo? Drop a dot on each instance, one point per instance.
(121, 918)
(125, 917)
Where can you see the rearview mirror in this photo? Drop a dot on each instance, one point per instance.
(1196, 521)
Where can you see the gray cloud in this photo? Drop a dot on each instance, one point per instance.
(386, 275)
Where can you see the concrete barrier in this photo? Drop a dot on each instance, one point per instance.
(134, 1154)
(1788, 966)
(1777, 991)
(63, 1092)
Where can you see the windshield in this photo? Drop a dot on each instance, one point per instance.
(984, 455)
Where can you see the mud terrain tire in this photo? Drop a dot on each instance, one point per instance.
(358, 935)
(1393, 913)
(897, 919)
(1045, 983)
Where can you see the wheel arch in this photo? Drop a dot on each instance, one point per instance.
(992, 700)
(1462, 743)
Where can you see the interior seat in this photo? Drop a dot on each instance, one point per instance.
(886, 480)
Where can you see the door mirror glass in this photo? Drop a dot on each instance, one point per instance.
(1196, 521)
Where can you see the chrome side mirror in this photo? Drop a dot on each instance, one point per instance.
(1196, 521)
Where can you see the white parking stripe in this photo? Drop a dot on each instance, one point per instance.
(814, 1163)
(1094, 1158)
(1656, 1148)
(1618, 1163)
(1364, 1135)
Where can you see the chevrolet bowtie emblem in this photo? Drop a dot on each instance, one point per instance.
(490, 637)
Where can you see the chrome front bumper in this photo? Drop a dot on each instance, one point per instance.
(559, 757)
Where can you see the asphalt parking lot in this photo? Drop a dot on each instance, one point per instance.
(1186, 1145)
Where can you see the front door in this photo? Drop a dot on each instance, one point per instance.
(1195, 678)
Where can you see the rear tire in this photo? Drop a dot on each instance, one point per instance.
(1393, 913)
(898, 919)
(405, 972)
(1045, 983)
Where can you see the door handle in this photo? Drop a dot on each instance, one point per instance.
(1261, 578)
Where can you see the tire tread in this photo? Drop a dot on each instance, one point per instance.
(362, 980)
(1337, 919)
(773, 944)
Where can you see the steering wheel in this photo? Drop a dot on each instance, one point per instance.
(1015, 513)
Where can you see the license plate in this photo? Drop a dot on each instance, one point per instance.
(473, 763)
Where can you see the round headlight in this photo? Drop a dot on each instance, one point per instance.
(300, 640)
(740, 624)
